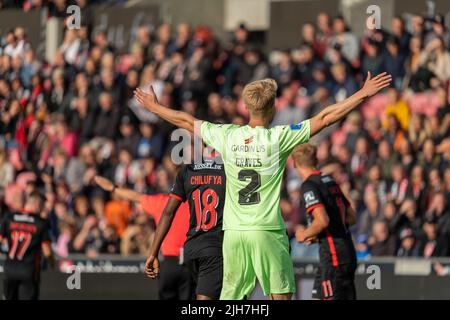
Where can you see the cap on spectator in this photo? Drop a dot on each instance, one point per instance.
(439, 19)
(406, 233)
(125, 120)
(362, 238)
(243, 26)
(319, 66)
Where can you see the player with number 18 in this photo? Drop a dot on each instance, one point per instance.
(202, 185)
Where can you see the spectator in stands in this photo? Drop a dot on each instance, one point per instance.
(345, 40)
(117, 214)
(381, 242)
(412, 64)
(432, 244)
(376, 184)
(394, 62)
(394, 132)
(437, 60)
(438, 210)
(354, 130)
(290, 112)
(309, 38)
(6, 169)
(362, 247)
(371, 214)
(398, 108)
(408, 246)
(151, 143)
(401, 35)
(137, 237)
(409, 217)
(360, 160)
(344, 83)
(372, 60)
(417, 188)
(428, 159)
(283, 72)
(399, 186)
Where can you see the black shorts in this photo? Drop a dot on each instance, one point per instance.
(207, 273)
(335, 283)
(175, 281)
(20, 289)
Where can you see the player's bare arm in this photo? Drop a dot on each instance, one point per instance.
(338, 111)
(350, 216)
(178, 118)
(48, 253)
(319, 224)
(125, 193)
(152, 264)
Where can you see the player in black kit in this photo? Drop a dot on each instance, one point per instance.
(329, 216)
(203, 186)
(27, 237)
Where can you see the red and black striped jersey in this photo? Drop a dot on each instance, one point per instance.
(336, 244)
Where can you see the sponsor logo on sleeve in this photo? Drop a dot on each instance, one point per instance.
(310, 198)
(297, 126)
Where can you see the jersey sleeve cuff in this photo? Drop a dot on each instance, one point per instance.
(172, 195)
(310, 209)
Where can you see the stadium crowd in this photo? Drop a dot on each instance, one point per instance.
(67, 120)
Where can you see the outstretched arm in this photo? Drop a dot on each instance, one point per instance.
(338, 111)
(125, 193)
(178, 118)
(152, 264)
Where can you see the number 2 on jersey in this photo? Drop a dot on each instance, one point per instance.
(249, 195)
(205, 208)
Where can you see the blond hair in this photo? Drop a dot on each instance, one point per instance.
(259, 96)
(305, 155)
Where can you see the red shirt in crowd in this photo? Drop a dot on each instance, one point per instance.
(174, 241)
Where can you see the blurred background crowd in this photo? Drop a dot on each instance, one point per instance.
(67, 120)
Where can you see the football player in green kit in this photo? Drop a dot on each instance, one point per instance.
(255, 244)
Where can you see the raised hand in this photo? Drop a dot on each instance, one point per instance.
(373, 85)
(148, 100)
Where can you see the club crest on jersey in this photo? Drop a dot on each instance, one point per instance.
(249, 140)
(297, 126)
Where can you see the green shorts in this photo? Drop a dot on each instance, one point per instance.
(251, 255)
